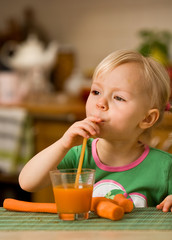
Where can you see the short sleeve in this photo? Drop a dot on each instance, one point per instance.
(170, 181)
(71, 159)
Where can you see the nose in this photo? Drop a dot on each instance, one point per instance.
(102, 105)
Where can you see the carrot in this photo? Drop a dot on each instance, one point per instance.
(23, 206)
(110, 210)
(122, 201)
(96, 200)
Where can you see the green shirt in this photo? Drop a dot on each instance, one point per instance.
(147, 181)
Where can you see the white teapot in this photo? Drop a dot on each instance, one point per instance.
(32, 60)
(30, 54)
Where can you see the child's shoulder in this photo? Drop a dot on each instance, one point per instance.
(160, 153)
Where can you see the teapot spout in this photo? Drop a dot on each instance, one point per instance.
(50, 54)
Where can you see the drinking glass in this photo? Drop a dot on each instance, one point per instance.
(73, 198)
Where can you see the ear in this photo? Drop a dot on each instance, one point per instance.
(150, 119)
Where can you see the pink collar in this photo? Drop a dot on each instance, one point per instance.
(117, 169)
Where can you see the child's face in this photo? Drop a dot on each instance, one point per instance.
(119, 99)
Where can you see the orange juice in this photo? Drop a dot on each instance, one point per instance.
(71, 199)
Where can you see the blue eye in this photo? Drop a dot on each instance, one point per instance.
(95, 92)
(119, 99)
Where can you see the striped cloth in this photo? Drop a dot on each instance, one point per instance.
(16, 139)
(139, 219)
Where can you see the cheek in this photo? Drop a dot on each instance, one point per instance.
(88, 107)
(127, 120)
(122, 120)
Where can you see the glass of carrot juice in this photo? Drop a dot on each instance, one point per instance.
(73, 197)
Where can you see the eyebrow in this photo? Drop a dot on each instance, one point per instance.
(96, 83)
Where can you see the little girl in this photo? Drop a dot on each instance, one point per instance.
(128, 97)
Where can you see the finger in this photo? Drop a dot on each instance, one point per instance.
(167, 206)
(89, 127)
(93, 127)
(94, 119)
(159, 206)
(81, 132)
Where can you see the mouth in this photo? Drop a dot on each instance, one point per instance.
(102, 122)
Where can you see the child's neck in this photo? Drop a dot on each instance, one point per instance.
(118, 154)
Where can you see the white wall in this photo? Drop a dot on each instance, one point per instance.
(94, 27)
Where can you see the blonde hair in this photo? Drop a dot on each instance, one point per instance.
(156, 79)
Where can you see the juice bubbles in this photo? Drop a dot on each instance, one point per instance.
(73, 200)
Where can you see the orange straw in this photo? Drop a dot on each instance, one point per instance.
(80, 162)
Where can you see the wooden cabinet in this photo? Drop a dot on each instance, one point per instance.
(48, 131)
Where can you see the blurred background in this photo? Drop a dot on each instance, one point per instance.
(84, 32)
(48, 52)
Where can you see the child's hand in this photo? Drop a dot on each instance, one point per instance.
(79, 130)
(166, 204)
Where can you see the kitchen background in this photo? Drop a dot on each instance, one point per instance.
(48, 52)
(93, 28)
(88, 29)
